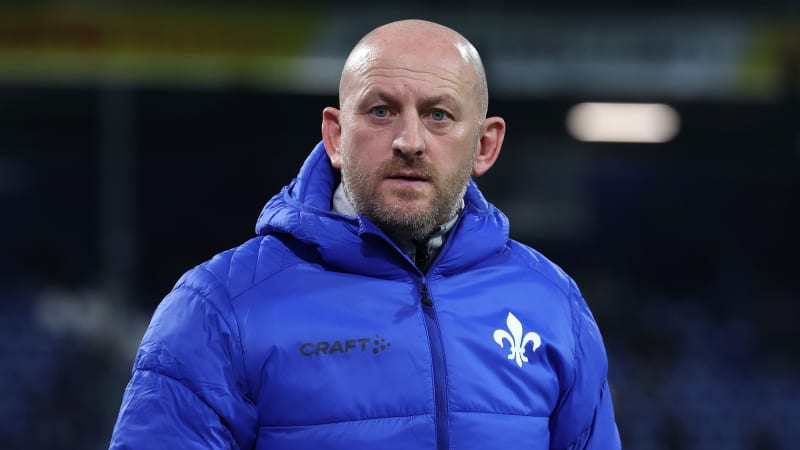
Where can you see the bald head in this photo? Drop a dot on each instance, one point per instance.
(407, 41)
(411, 127)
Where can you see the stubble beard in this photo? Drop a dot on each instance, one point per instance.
(362, 191)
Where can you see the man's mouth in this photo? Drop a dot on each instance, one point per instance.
(408, 176)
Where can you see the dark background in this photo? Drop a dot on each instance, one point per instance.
(686, 251)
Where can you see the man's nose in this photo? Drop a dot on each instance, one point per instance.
(410, 138)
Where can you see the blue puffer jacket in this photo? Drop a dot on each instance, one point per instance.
(321, 334)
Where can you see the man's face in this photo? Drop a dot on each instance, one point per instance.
(410, 129)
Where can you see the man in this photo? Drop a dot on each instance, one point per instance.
(382, 305)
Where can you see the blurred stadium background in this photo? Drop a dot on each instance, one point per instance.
(138, 139)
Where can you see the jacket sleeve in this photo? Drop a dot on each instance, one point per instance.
(584, 418)
(188, 388)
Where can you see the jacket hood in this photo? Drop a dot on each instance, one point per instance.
(303, 209)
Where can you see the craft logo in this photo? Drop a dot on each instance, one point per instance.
(358, 345)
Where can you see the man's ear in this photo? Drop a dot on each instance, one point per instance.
(332, 134)
(491, 140)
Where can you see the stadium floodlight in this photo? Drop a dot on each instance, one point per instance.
(623, 122)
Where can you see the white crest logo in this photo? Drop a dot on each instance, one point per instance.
(516, 340)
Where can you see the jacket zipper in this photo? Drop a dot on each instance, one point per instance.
(441, 418)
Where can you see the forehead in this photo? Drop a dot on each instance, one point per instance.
(446, 69)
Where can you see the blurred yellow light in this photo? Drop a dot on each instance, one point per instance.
(623, 122)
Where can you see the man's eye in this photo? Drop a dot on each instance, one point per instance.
(438, 116)
(380, 111)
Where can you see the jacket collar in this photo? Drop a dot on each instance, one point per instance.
(430, 246)
(354, 244)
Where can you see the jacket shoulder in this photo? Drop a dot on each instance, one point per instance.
(542, 266)
(239, 268)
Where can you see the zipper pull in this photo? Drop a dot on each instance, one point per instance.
(426, 299)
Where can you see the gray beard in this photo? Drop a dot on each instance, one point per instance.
(395, 223)
(447, 201)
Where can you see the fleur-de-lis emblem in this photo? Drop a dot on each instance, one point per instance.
(516, 340)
